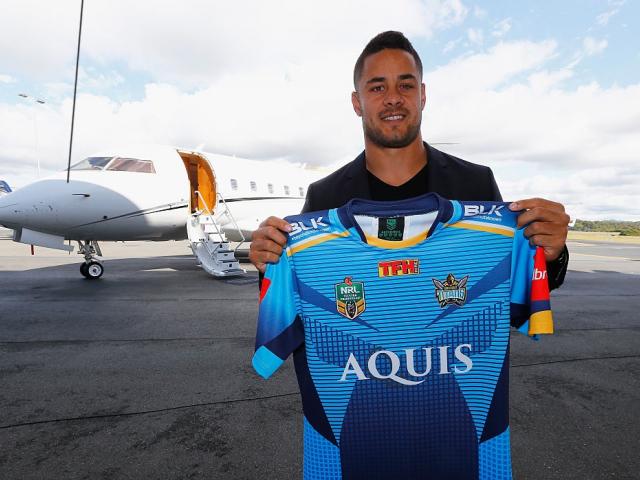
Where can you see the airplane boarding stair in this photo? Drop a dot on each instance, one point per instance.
(208, 241)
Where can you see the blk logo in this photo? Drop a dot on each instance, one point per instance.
(314, 224)
(472, 210)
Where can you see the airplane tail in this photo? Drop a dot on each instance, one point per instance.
(4, 187)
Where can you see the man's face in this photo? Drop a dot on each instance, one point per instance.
(390, 98)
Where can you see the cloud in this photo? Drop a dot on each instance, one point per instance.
(592, 46)
(93, 80)
(479, 13)
(615, 6)
(594, 193)
(507, 109)
(450, 45)
(6, 79)
(490, 69)
(475, 36)
(501, 28)
(191, 44)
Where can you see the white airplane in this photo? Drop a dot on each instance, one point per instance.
(155, 193)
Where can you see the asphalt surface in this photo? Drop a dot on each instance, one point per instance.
(145, 374)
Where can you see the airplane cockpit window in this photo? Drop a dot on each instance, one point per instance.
(253, 186)
(92, 163)
(120, 164)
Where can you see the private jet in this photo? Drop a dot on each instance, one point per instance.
(155, 193)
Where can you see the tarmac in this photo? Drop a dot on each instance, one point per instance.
(146, 373)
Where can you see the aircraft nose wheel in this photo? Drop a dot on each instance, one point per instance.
(92, 270)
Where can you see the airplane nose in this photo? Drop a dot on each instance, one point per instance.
(9, 209)
(27, 207)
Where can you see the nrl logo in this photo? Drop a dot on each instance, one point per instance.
(350, 298)
(451, 291)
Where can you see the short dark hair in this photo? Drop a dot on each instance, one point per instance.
(389, 39)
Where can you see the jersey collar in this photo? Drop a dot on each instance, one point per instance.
(448, 212)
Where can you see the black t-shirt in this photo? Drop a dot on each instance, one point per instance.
(417, 185)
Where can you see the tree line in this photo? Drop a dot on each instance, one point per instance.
(623, 228)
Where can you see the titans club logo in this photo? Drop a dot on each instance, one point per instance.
(451, 291)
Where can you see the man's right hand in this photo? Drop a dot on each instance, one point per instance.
(268, 241)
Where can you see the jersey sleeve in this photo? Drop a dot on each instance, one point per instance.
(530, 305)
(280, 329)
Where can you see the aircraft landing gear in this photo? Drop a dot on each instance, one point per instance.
(91, 269)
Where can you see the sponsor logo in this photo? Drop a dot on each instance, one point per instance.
(314, 224)
(539, 274)
(451, 291)
(394, 268)
(350, 301)
(473, 210)
(385, 364)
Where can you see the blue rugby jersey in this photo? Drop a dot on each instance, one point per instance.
(398, 316)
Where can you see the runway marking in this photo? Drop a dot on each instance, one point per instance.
(117, 340)
(600, 256)
(568, 360)
(146, 412)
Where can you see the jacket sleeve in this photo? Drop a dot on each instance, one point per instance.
(557, 269)
(496, 196)
(308, 201)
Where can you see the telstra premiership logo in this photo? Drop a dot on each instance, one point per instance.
(393, 363)
(350, 301)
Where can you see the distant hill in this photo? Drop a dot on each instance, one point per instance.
(631, 229)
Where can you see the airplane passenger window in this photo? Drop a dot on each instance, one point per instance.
(270, 187)
(131, 165)
(234, 184)
(92, 163)
(301, 190)
(286, 190)
(253, 186)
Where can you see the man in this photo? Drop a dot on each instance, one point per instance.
(396, 164)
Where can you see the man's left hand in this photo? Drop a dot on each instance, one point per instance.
(547, 222)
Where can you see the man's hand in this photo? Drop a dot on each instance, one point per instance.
(268, 241)
(548, 224)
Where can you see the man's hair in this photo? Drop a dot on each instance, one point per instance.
(389, 39)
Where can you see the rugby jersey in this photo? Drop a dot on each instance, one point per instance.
(398, 315)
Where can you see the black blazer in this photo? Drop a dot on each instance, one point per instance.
(448, 176)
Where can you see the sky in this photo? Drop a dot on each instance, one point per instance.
(546, 93)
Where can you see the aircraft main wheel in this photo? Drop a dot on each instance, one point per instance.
(94, 270)
(83, 269)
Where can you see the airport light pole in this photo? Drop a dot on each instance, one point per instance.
(38, 101)
(75, 90)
